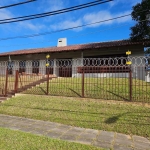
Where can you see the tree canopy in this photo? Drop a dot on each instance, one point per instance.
(147, 52)
(141, 14)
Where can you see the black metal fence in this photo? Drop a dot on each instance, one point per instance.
(102, 78)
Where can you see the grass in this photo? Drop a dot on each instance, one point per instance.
(22, 81)
(122, 117)
(104, 88)
(16, 140)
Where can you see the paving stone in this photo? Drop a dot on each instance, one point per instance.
(14, 128)
(140, 139)
(27, 129)
(142, 145)
(2, 123)
(89, 133)
(40, 122)
(107, 133)
(53, 134)
(61, 129)
(102, 144)
(10, 121)
(106, 136)
(48, 127)
(75, 131)
(69, 137)
(88, 136)
(19, 125)
(123, 136)
(37, 126)
(124, 142)
(39, 131)
(5, 125)
(119, 147)
(84, 140)
(92, 131)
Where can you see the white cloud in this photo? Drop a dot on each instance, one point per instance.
(124, 2)
(92, 18)
(67, 24)
(30, 26)
(97, 16)
(51, 5)
(105, 15)
(123, 19)
(4, 14)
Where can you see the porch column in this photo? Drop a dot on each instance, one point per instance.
(55, 68)
(29, 67)
(77, 62)
(42, 67)
(15, 67)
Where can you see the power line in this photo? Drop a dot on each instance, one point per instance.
(45, 33)
(39, 34)
(16, 4)
(88, 33)
(23, 18)
(57, 11)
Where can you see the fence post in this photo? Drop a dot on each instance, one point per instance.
(6, 82)
(83, 83)
(130, 83)
(16, 81)
(47, 81)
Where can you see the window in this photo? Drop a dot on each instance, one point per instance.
(22, 66)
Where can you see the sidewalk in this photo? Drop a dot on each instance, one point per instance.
(98, 138)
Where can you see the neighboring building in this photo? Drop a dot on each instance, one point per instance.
(35, 59)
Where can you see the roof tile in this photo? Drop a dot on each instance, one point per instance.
(77, 47)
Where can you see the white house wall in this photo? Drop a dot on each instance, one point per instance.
(42, 67)
(3, 67)
(29, 67)
(55, 69)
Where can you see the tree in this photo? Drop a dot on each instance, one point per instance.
(147, 52)
(140, 14)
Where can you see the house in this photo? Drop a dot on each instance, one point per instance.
(67, 60)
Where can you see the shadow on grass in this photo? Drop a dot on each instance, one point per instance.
(112, 119)
(75, 92)
(125, 99)
(42, 90)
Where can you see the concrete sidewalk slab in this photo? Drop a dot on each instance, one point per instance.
(98, 138)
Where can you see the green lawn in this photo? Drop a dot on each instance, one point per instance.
(22, 81)
(102, 88)
(16, 140)
(123, 117)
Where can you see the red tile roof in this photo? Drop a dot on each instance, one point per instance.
(78, 47)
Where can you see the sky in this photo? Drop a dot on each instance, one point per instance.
(107, 31)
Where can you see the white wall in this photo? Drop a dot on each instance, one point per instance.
(42, 67)
(29, 67)
(103, 75)
(3, 67)
(55, 69)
